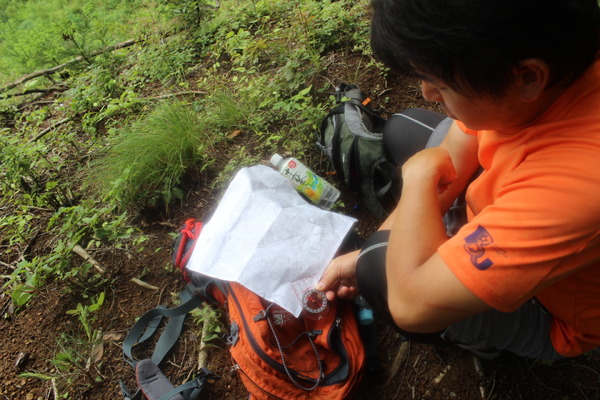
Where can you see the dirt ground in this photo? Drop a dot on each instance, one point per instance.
(31, 338)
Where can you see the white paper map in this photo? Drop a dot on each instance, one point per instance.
(265, 236)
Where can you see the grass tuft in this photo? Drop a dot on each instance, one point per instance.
(146, 162)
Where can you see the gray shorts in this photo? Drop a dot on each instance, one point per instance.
(525, 332)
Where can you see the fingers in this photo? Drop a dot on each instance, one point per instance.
(340, 268)
(346, 292)
(338, 280)
(331, 275)
(326, 284)
(330, 295)
(327, 280)
(431, 164)
(342, 291)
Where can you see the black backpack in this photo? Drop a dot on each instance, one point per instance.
(351, 136)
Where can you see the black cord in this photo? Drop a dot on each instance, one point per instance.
(285, 367)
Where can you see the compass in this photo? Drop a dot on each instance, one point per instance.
(314, 301)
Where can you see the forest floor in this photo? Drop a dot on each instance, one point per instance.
(31, 337)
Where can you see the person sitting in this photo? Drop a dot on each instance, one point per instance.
(520, 80)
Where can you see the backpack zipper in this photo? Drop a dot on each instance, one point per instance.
(336, 344)
(236, 367)
(270, 361)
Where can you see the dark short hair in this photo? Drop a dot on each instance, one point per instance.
(474, 45)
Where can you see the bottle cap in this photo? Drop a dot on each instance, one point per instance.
(276, 159)
(365, 315)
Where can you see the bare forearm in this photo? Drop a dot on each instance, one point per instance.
(417, 230)
(416, 233)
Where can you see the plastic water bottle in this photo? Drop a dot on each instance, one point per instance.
(315, 188)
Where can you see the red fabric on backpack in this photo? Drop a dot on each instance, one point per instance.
(185, 243)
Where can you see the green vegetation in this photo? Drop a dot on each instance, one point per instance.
(146, 162)
(201, 89)
(41, 34)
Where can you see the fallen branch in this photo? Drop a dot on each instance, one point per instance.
(80, 251)
(57, 68)
(166, 96)
(479, 370)
(50, 129)
(34, 103)
(400, 357)
(202, 353)
(32, 91)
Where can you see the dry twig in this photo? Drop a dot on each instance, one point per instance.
(442, 374)
(202, 353)
(80, 251)
(400, 357)
(54, 389)
(143, 284)
(50, 129)
(479, 370)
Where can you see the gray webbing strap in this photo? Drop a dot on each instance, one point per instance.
(147, 325)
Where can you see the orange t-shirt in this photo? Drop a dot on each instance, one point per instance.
(534, 218)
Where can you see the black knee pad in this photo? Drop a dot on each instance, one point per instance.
(371, 275)
(408, 132)
(371, 280)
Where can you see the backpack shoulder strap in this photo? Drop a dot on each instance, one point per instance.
(147, 325)
(155, 385)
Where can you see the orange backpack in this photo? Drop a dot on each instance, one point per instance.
(279, 356)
